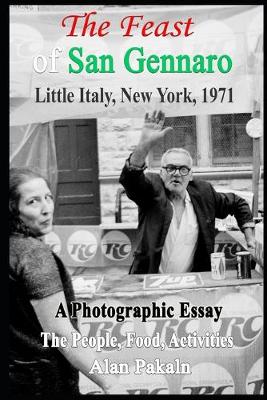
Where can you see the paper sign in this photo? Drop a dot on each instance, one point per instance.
(172, 281)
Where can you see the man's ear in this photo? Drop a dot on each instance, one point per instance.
(191, 176)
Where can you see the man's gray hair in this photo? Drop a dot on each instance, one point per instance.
(176, 150)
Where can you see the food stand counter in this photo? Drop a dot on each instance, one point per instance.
(233, 365)
(108, 249)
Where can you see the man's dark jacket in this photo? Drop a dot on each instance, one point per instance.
(155, 214)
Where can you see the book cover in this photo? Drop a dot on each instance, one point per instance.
(82, 79)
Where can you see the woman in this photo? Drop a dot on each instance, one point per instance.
(39, 282)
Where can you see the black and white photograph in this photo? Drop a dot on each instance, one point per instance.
(136, 207)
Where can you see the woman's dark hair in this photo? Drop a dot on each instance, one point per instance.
(18, 176)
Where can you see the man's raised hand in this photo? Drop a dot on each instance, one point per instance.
(152, 130)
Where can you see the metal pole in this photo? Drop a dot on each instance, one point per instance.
(256, 175)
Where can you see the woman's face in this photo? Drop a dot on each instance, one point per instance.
(36, 206)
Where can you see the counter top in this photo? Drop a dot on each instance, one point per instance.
(113, 283)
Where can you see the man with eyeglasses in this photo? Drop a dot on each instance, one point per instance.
(176, 229)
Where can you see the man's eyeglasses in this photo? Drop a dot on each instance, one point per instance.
(172, 169)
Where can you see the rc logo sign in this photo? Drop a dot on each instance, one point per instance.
(54, 242)
(99, 326)
(82, 246)
(131, 383)
(116, 246)
(167, 328)
(241, 318)
(254, 381)
(144, 383)
(208, 378)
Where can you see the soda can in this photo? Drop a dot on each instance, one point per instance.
(217, 261)
(243, 265)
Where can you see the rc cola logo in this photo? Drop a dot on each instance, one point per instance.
(255, 381)
(132, 383)
(97, 47)
(144, 383)
(106, 320)
(205, 41)
(241, 318)
(170, 330)
(116, 246)
(228, 248)
(208, 378)
(25, 43)
(86, 385)
(82, 246)
(54, 242)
